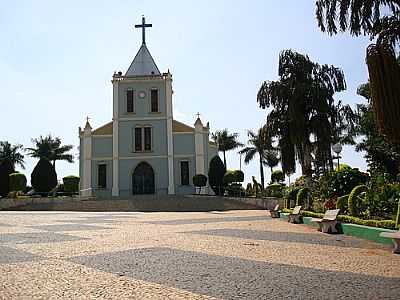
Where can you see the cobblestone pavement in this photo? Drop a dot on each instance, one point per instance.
(228, 255)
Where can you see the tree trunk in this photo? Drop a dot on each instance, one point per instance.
(261, 173)
(224, 160)
(54, 164)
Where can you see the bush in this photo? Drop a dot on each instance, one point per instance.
(17, 182)
(44, 177)
(235, 189)
(71, 184)
(274, 190)
(301, 196)
(216, 174)
(342, 203)
(6, 168)
(354, 201)
(277, 176)
(234, 176)
(199, 180)
(249, 189)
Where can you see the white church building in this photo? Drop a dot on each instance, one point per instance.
(143, 150)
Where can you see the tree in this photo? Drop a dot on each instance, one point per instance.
(378, 19)
(6, 168)
(381, 155)
(216, 173)
(44, 176)
(261, 144)
(304, 115)
(199, 180)
(226, 141)
(50, 148)
(12, 152)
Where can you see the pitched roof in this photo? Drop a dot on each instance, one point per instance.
(180, 127)
(106, 129)
(143, 64)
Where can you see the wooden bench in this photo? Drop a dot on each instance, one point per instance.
(275, 213)
(295, 216)
(328, 223)
(395, 236)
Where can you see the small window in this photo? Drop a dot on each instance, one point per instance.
(138, 139)
(147, 139)
(154, 100)
(130, 98)
(184, 173)
(102, 176)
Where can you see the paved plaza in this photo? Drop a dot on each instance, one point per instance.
(215, 255)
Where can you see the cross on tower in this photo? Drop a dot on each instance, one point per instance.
(198, 115)
(143, 26)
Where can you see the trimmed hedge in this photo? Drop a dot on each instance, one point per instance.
(216, 173)
(233, 176)
(277, 176)
(17, 182)
(353, 203)
(71, 184)
(388, 224)
(302, 196)
(44, 177)
(199, 180)
(6, 168)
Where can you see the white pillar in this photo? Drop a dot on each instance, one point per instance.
(170, 141)
(199, 146)
(115, 184)
(87, 161)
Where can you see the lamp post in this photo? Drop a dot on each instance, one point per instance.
(337, 148)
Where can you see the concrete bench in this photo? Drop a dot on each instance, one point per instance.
(295, 216)
(328, 223)
(395, 236)
(275, 213)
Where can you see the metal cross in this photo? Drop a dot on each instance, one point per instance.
(87, 119)
(143, 26)
(198, 115)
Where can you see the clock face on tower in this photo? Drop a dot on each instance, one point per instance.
(142, 94)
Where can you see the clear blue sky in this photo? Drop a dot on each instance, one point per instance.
(57, 59)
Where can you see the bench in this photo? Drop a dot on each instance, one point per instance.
(328, 222)
(395, 236)
(275, 213)
(295, 216)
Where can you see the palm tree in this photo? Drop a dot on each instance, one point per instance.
(226, 141)
(304, 115)
(261, 144)
(12, 152)
(271, 159)
(50, 148)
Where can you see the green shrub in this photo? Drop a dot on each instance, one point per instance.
(235, 189)
(249, 189)
(199, 180)
(342, 203)
(342, 167)
(6, 168)
(233, 177)
(43, 177)
(398, 215)
(354, 201)
(71, 184)
(17, 182)
(301, 196)
(216, 174)
(274, 190)
(277, 176)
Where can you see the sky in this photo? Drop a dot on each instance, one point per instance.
(57, 59)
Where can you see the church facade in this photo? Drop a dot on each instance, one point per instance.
(143, 150)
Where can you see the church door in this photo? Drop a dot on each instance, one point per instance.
(143, 179)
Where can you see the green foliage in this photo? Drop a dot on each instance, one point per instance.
(257, 188)
(275, 190)
(355, 199)
(249, 189)
(226, 141)
(216, 174)
(6, 168)
(398, 215)
(71, 184)
(235, 189)
(342, 167)
(17, 182)
(13, 153)
(381, 199)
(233, 176)
(301, 196)
(199, 180)
(43, 177)
(342, 203)
(277, 176)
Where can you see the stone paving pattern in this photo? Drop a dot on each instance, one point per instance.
(218, 255)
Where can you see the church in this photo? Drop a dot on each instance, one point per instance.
(143, 150)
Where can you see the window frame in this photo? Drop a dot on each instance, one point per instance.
(142, 130)
(133, 101)
(151, 100)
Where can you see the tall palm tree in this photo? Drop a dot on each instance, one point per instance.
(12, 152)
(261, 144)
(304, 115)
(50, 148)
(226, 141)
(271, 159)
